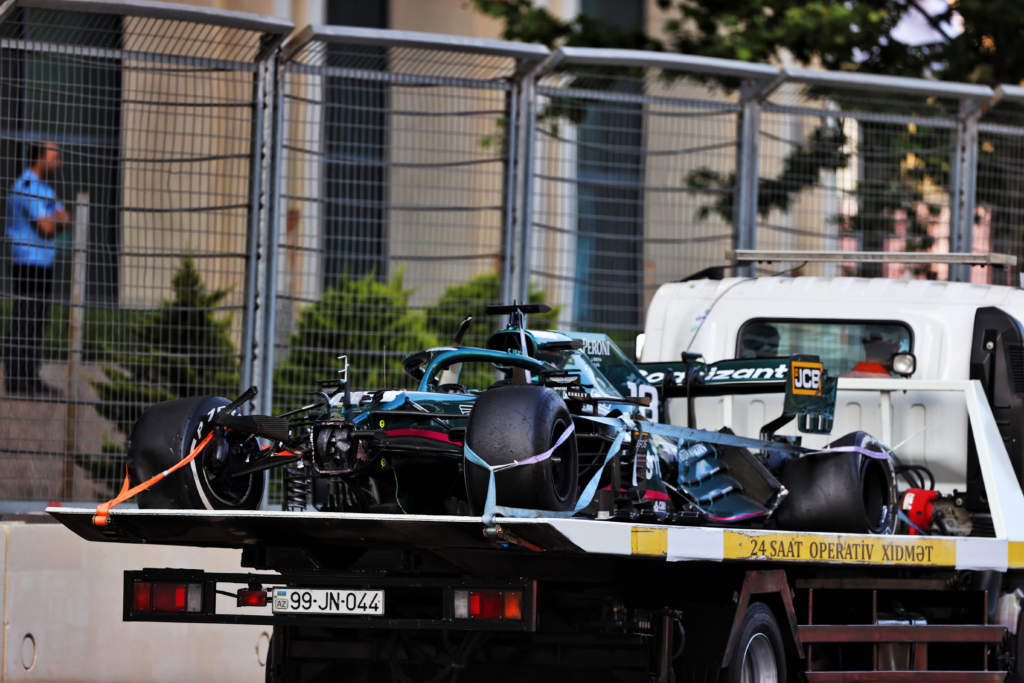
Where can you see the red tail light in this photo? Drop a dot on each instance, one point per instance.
(252, 597)
(488, 604)
(167, 596)
(141, 599)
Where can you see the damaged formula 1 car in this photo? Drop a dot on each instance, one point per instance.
(562, 424)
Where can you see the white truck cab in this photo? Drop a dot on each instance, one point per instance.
(955, 330)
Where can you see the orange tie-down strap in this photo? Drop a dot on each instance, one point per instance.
(103, 509)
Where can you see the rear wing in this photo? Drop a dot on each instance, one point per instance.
(733, 376)
(810, 391)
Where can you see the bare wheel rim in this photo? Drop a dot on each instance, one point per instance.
(230, 491)
(759, 665)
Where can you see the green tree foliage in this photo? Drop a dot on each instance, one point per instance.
(523, 21)
(471, 298)
(365, 319)
(183, 348)
(847, 36)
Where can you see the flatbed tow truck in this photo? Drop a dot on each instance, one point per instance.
(361, 596)
(623, 599)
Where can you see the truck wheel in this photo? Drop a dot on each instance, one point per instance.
(759, 655)
(1016, 648)
(166, 433)
(272, 669)
(513, 423)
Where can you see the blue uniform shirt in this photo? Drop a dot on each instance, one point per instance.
(30, 199)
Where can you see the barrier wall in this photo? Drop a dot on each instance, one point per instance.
(62, 615)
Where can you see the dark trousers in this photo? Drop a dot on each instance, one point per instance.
(31, 291)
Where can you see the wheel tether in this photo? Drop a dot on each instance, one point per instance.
(102, 510)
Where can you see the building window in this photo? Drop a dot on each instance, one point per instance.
(355, 151)
(610, 167)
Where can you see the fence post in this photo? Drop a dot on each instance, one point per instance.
(256, 206)
(963, 183)
(265, 377)
(252, 234)
(76, 336)
(508, 241)
(745, 208)
(527, 90)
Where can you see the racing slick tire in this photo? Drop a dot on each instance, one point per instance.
(166, 433)
(759, 654)
(845, 491)
(512, 423)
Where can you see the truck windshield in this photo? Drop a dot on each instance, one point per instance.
(844, 346)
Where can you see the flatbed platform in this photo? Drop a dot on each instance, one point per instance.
(233, 529)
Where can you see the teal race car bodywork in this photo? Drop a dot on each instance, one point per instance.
(541, 423)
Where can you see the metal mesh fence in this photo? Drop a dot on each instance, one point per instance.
(395, 201)
(1000, 180)
(228, 210)
(855, 170)
(129, 137)
(633, 170)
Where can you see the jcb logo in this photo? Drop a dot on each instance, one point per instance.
(807, 378)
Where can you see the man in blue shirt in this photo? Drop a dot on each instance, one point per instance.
(34, 217)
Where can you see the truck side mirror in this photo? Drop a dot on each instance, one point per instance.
(903, 364)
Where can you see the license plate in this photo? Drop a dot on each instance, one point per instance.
(328, 601)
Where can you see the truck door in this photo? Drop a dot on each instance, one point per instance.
(997, 361)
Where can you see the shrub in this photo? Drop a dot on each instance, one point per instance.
(365, 319)
(181, 349)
